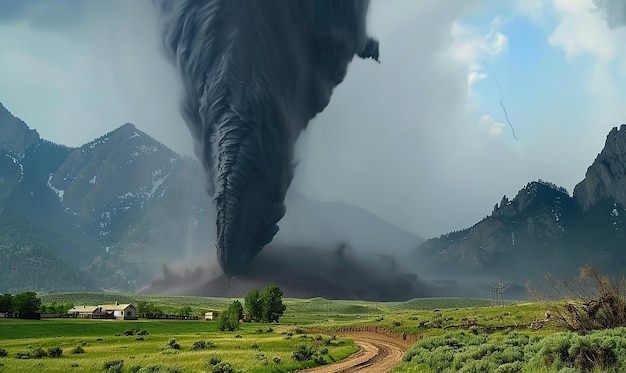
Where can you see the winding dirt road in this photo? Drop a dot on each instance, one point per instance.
(375, 354)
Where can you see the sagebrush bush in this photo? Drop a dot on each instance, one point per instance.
(160, 368)
(173, 345)
(223, 367)
(214, 360)
(304, 352)
(467, 352)
(114, 366)
(78, 350)
(592, 301)
(198, 345)
(603, 350)
(55, 352)
(3, 352)
(39, 353)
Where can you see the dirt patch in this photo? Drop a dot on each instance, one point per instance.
(380, 349)
(374, 355)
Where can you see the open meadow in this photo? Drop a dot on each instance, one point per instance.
(439, 335)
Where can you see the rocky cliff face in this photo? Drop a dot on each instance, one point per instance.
(15, 136)
(540, 214)
(542, 229)
(606, 177)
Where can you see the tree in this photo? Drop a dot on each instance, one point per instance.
(237, 309)
(185, 311)
(273, 307)
(150, 308)
(6, 303)
(26, 302)
(254, 305)
(229, 318)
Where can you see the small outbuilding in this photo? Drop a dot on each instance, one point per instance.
(211, 315)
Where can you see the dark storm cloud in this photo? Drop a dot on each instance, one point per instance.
(615, 11)
(254, 74)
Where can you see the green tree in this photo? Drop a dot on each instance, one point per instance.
(6, 303)
(26, 302)
(237, 309)
(185, 311)
(253, 304)
(229, 318)
(273, 307)
(62, 308)
(145, 307)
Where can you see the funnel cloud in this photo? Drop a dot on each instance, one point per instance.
(254, 74)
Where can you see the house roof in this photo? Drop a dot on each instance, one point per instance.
(117, 307)
(83, 309)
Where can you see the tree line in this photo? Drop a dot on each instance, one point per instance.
(24, 303)
(266, 306)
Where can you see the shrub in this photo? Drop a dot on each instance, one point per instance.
(55, 352)
(173, 345)
(601, 304)
(78, 350)
(223, 367)
(214, 360)
(129, 332)
(276, 360)
(324, 351)
(598, 351)
(3, 352)
(142, 332)
(255, 346)
(114, 366)
(303, 352)
(23, 355)
(201, 345)
(39, 353)
(154, 368)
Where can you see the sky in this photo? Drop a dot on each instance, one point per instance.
(421, 139)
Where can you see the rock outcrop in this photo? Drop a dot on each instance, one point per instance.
(15, 136)
(606, 177)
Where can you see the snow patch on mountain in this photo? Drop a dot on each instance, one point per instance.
(59, 192)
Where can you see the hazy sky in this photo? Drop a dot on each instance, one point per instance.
(420, 139)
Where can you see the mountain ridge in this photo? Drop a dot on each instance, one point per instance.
(544, 228)
(118, 208)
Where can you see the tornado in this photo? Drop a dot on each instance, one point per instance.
(254, 73)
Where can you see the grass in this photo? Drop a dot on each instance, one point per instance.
(455, 334)
(104, 341)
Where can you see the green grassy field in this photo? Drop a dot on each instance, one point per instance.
(454, 335)
(248, 349)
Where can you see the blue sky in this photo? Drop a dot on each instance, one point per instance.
(420, 140)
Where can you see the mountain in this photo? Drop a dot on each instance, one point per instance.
(544, 229)
(15, 136)
(110, 213)
(107, 214)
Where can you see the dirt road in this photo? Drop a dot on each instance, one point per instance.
(376, 354)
